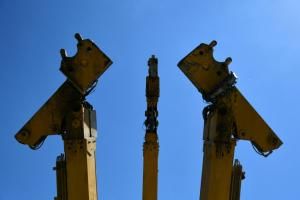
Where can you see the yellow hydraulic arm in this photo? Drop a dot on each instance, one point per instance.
(151, 146)
(227, 118)
(68, 114)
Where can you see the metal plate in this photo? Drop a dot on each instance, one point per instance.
(250, 125)
(86, 66)
(49, 118)
(202, 69)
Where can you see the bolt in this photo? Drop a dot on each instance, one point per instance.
(25, 134)
(78, 37)
(228, 61)
(213, 43)
(89, 49)
(83, 62)
(63, 53)
(75, 123)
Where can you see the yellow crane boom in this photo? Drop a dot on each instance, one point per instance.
(68, 114)
(228, 118)
(151, 146)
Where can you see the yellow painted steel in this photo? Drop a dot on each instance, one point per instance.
(218, 156)
(48, 119)
(68, 113)
(86, 66)
(76, 169)
(80, 148)
(151, 146)
(250, 125)
(82, 72)
(61, 178)
(228, 118)
(216, 171)
(150, 175)
(236, 181)
(81, 170)
(215, 81)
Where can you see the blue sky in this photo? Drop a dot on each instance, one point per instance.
(262, 37)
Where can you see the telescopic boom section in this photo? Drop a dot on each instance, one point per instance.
(151, 146)
(228, 118)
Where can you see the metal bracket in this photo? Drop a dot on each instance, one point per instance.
(88, 64)
(82, 71)
(222, 88)
(217, 85)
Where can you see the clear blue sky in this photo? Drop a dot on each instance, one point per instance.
(262, 37)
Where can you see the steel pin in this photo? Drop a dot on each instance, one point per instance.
(63, 53)
(78, 37)
(213, 43)
(228, 61)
